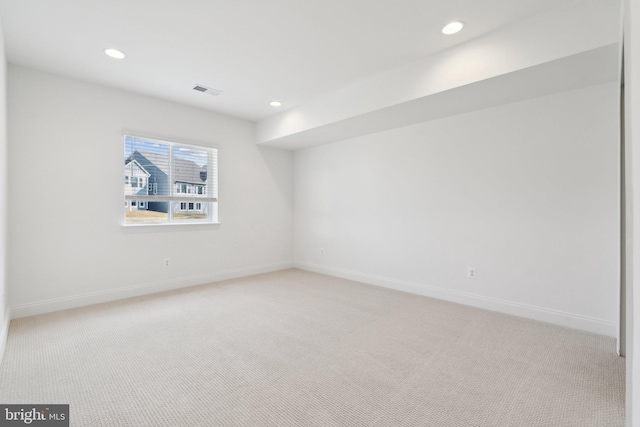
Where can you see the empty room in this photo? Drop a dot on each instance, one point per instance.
(304, 213)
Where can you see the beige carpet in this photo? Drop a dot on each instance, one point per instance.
(300, 349)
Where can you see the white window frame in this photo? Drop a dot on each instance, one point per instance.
(177, 197)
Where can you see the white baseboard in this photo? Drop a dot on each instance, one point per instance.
(569, 320)
(56, 304)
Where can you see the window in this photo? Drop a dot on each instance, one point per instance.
(171, 182)
(152, 188)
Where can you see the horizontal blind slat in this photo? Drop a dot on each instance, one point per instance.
(171, 198)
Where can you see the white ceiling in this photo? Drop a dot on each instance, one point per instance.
(254, 51)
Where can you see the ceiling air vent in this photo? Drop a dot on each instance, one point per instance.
(207, 90)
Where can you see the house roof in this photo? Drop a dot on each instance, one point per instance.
(188, 171)
(135, 162)
(148, 159)
(184, 170)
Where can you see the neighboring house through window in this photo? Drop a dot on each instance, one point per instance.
(171, 182)
(135, 177)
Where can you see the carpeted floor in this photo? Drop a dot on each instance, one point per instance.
(295, 348)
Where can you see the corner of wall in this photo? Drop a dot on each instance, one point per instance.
(632, 237)
(4, 188)
(4, 332)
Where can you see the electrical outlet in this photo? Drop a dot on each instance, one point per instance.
(167, 262)
(471, 272)
(321, 251)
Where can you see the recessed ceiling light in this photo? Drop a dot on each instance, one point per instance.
(452, 27)
(275, 103)
(115, 53)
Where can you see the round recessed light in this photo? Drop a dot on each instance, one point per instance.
(115, 53)
(275, 103)
(452, 27)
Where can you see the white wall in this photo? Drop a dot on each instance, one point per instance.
(632, 161)
(527, 193)
(4, 288)
(67, 246)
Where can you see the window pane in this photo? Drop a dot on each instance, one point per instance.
(190, 170)
(191, 214)
(156, 173)
(147, 163)
(145, 216)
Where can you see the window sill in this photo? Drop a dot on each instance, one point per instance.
(152, 228)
